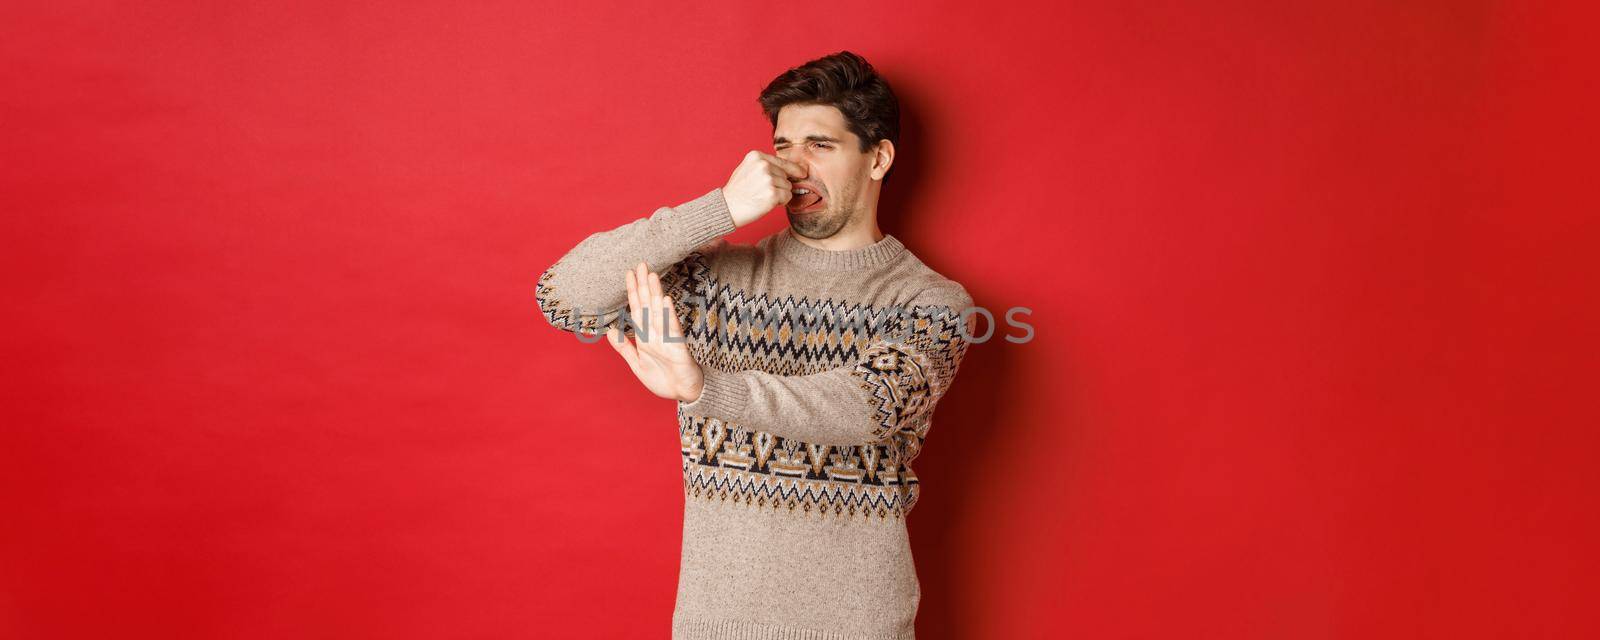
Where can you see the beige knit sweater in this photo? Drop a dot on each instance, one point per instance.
(822, 369)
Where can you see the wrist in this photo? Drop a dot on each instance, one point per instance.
(695, 391)
(722, 395)
(736, 213)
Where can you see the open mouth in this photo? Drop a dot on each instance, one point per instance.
(806, 198)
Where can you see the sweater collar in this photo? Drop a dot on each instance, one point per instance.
(883, 251)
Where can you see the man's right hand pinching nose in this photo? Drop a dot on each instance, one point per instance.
(762, 181)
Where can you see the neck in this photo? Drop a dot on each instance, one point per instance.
(806, 252)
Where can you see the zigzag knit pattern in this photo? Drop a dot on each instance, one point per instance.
(899, 356)
(734, 330)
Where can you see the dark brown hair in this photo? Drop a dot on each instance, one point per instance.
(845, 81)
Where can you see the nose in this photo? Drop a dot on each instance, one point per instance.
(798, 155)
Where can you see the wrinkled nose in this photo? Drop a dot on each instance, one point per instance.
(797, 155)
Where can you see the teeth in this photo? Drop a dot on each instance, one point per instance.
(802, 191)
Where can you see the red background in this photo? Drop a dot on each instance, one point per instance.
(1312, 291)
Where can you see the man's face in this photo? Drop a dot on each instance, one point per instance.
(816, 137)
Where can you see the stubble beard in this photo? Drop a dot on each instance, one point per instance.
(820, 225)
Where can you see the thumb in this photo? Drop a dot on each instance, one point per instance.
(622, 346)
(794, 169)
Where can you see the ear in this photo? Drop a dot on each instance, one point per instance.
(882, 159)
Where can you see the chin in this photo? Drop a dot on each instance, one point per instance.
(814, 229)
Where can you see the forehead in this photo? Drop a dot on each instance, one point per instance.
(798, 121)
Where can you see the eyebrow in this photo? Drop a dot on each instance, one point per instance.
(813, 137)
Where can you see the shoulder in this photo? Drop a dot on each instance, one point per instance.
(925, 287)
(948, 293)
(938, 310)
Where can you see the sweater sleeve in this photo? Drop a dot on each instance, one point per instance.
(584, 291)
(890, 387)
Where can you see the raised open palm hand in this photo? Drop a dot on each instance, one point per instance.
(659, 353)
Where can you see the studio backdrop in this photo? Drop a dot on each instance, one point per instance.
(1311, 291)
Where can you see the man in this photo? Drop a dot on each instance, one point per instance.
(805, 367)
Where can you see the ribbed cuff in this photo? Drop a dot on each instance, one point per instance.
(703, 219)
(724, 396)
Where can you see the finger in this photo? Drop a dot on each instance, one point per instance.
(656, 310)
(664, 317)
(785, 191)
(639, 306)
(780, 178)
(793, 170)
(672, 318)
(623, 347)
(633, 295)
(647, 330)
